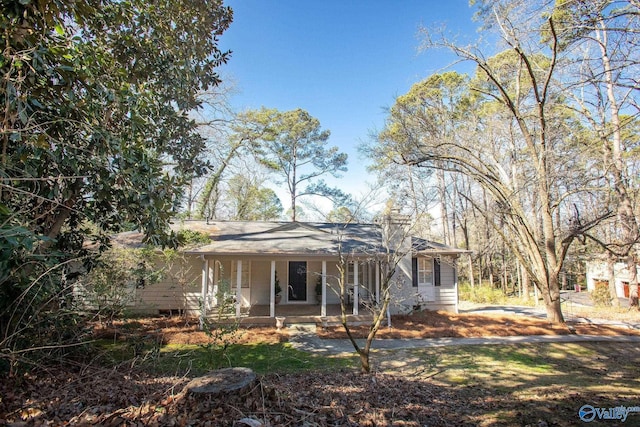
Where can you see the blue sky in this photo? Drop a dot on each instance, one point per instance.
(343, 61)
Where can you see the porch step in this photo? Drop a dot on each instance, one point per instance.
(306, 321)
(337, 321)
(303, 328)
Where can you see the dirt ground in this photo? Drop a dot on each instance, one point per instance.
(441, 324)
(426, 324)
(178, 330)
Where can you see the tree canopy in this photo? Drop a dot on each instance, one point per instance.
(96, 133)
(293, 145)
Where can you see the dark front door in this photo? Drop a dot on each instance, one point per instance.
(297, 281)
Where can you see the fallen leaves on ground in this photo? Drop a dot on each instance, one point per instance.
(67, 394)
(180, 330)
(442, 324)
(116, 398)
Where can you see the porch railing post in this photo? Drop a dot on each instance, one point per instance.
(323, 307)
(272, 293)
(356, 289)
(238, 288)
(205, 290)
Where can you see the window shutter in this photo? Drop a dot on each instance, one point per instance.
(436, 272)
(414, 272)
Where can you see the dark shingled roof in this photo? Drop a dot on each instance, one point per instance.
(287, 238)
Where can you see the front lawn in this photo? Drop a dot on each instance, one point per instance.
(140, 367)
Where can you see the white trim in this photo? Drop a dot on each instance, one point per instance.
(204, 290)
(356, 288)
(238, 288)
(323, 307)
(272, 293)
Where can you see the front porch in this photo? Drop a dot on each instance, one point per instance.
(302, 313)
(258, 291)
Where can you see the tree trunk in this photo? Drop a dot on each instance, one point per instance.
(611, 277)
(526, 284)
(504, 278)
(442, 190)
(365, 366)
(221, 382)
(626, 214)
(554, 311)
(212, 184)
(551, 296)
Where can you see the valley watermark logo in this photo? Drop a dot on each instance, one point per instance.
(588, 413)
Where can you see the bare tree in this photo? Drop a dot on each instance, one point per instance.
(521, 167)
(602, 44)
(393, 247)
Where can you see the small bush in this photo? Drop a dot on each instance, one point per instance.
(601, 296)
(481, 294)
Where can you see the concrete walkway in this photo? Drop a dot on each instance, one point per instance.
(305, 338)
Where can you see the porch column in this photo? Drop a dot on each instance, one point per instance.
(205, 289)
(238, 288)
(323, 306)
(377, 283)
(272, 292)
(356, 289)
(216, 280)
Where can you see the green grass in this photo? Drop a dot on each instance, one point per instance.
(522, 382)
(191, 359)
(597, 367)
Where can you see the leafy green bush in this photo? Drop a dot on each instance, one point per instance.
(192, 237)
(109, 287)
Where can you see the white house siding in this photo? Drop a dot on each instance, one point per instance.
(85, 299)
(223, 276)
(446, 299)
(443, 297)
(261, 281)
(403, 298)
(597, 271)
(446, 295)
(177, 291)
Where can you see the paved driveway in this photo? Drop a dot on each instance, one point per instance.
(570, 299)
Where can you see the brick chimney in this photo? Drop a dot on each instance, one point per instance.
(395, 229)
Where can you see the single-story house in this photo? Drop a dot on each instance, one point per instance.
(598, 275)
(247, 261)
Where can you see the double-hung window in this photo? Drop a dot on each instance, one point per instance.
(423, 272)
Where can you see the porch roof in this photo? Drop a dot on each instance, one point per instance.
(287, 238)
(427, 247)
